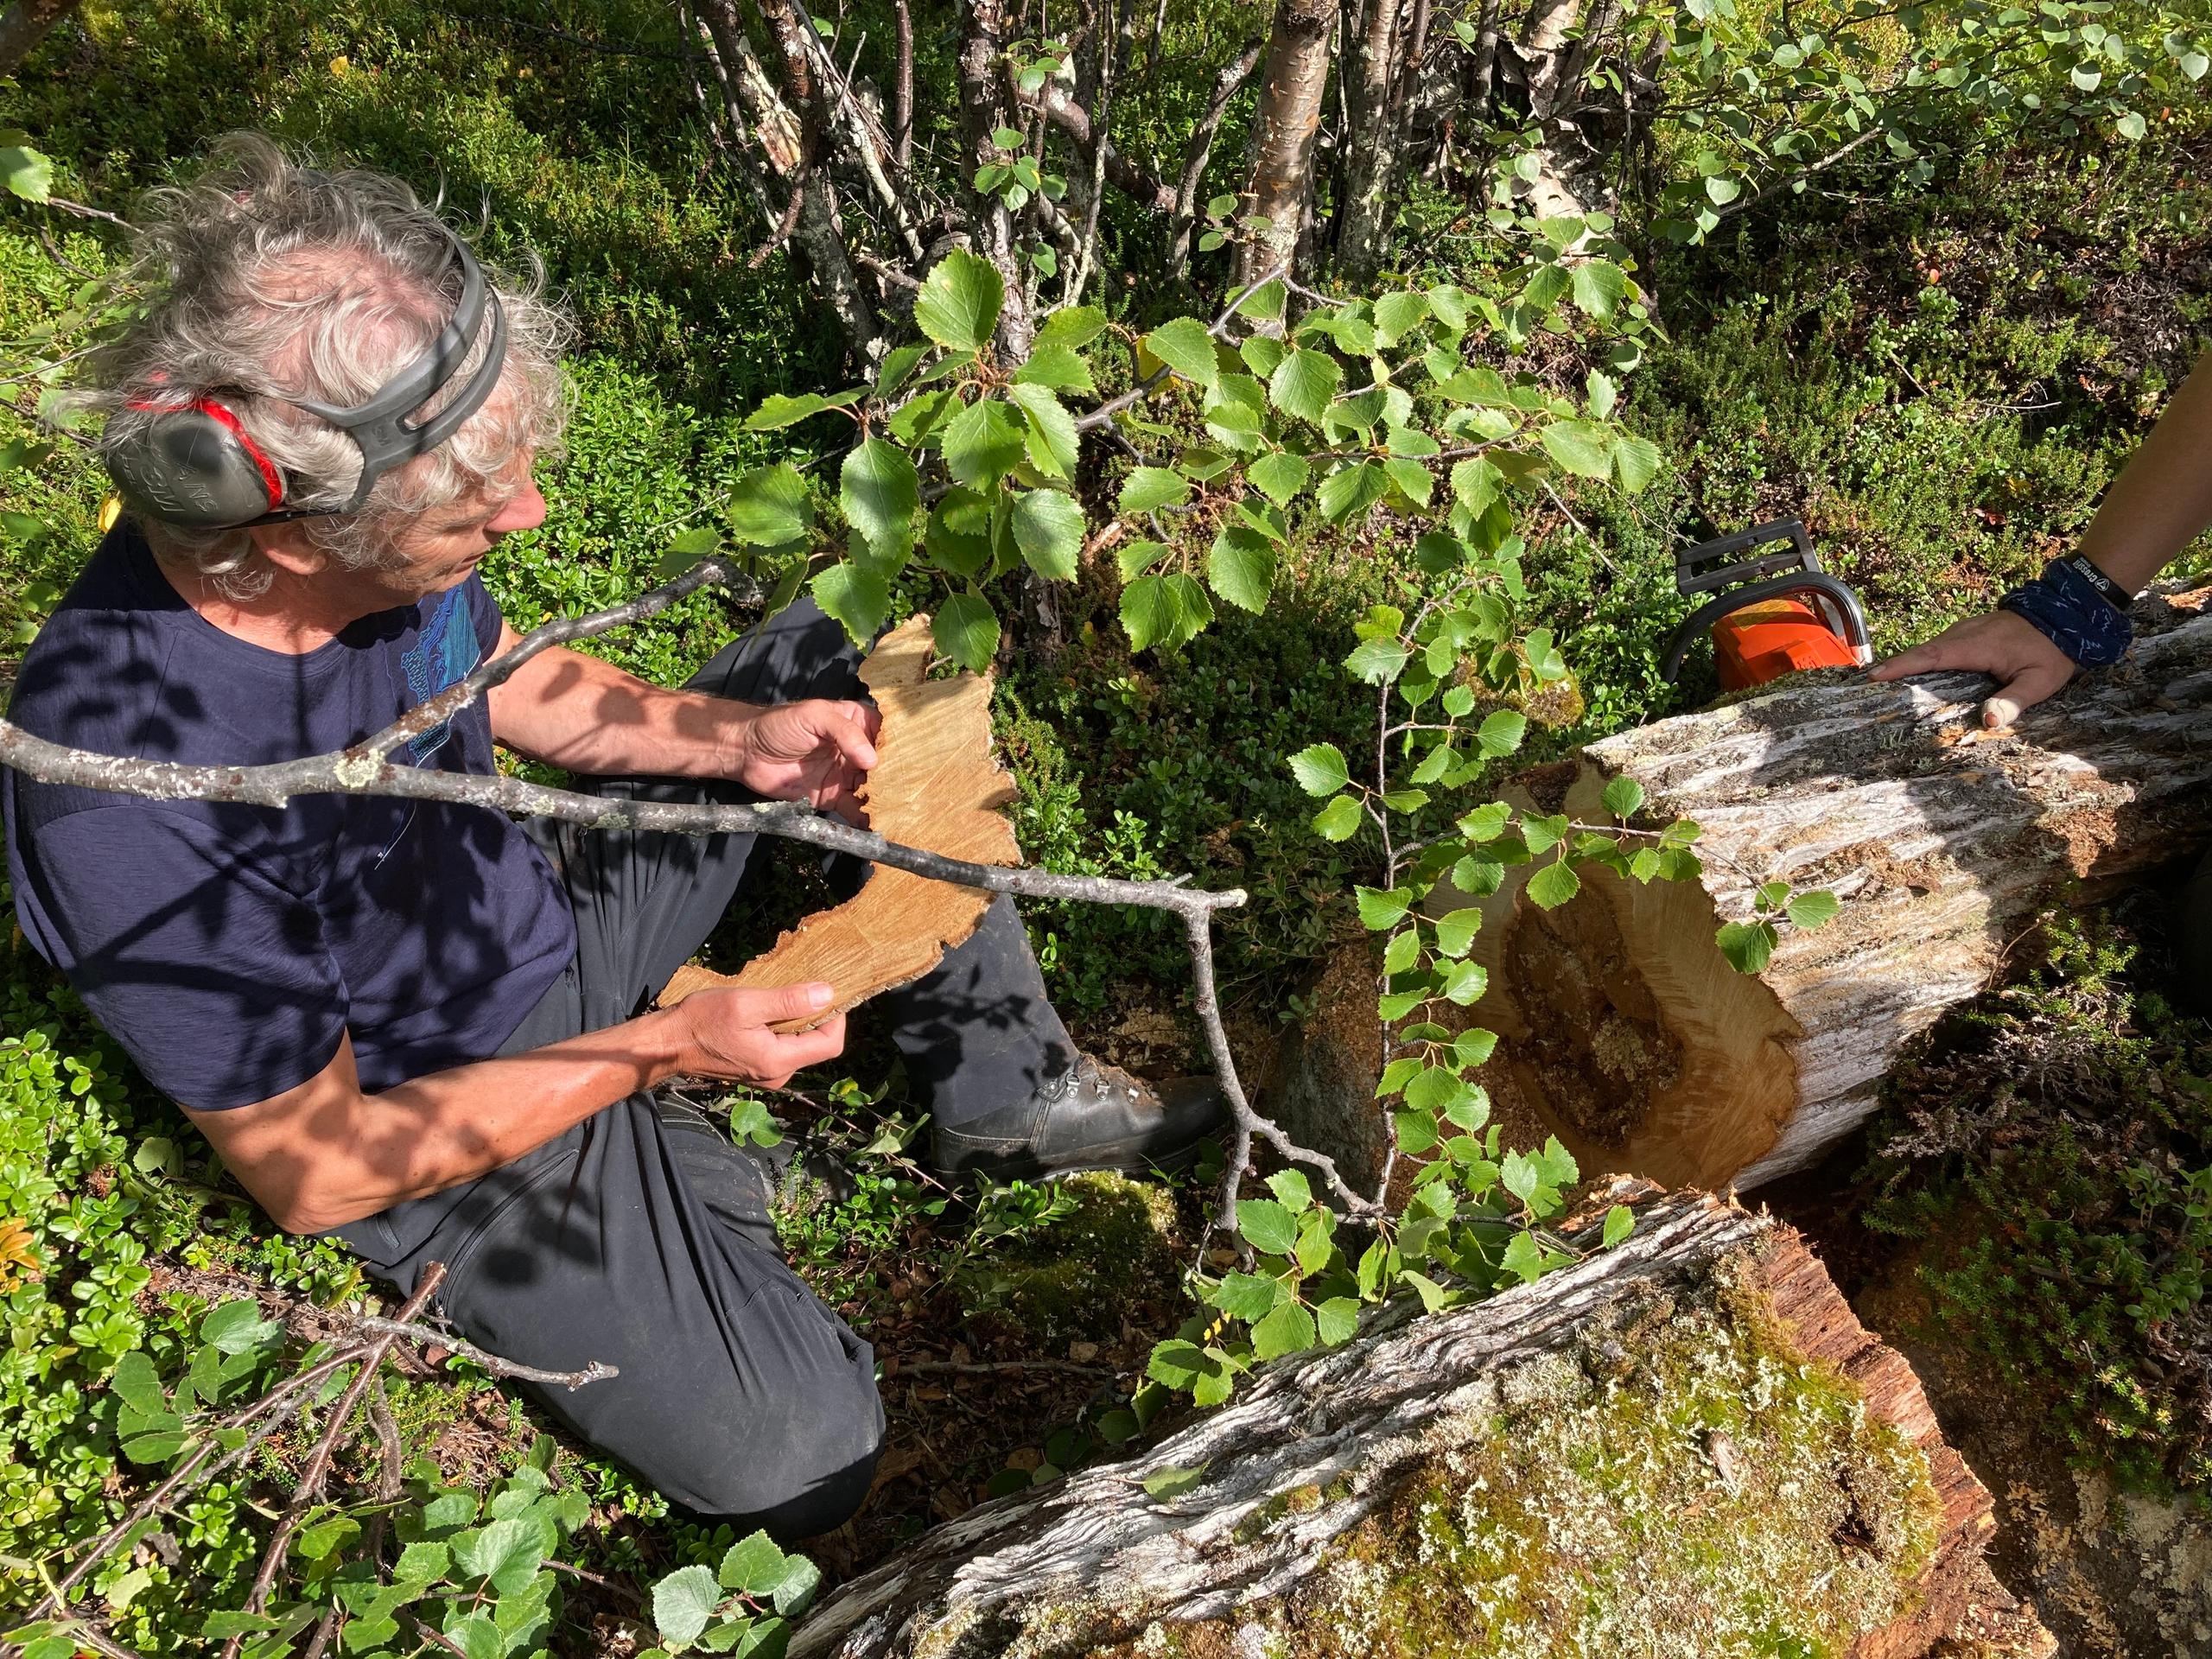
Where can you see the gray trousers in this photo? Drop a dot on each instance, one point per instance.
(643, 1238)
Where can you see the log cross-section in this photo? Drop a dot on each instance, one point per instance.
(1626, 1031)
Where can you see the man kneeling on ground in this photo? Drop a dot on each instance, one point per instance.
(420, 1027)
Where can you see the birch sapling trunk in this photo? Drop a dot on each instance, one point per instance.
(1294, 82)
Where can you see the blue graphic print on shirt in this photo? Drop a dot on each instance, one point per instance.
(444, 655)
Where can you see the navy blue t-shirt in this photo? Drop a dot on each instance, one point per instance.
(228, 947)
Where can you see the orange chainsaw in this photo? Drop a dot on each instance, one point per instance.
(1770, 614)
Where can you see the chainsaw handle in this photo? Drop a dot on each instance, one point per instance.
(1816, 581)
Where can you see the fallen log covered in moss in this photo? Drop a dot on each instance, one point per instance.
(1684, 1445)
(1627, 1031)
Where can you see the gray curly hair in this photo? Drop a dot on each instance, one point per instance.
(270, 279)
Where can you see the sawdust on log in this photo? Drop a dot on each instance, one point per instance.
(936, 785)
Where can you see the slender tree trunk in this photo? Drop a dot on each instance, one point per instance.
(1198, 150)
(986, 106)
(781, 121)
(1371, 146)
(902, 92)
(23, 25)
(1295, 81)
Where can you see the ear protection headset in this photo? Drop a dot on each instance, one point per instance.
(193, 465)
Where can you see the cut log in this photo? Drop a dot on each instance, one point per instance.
(1685, 1445)
(936, 785)
(1626, 1030)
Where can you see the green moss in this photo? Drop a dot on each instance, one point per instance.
(1114, 1252)
(1680, 1480)
(2049, 1153)
(1698, 1487)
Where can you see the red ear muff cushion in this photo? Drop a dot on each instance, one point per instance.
(271, 479)
(195, 465)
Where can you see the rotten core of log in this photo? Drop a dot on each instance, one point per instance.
(1627, 1033)
(1689, 1437)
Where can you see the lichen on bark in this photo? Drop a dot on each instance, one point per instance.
(1679, 1478)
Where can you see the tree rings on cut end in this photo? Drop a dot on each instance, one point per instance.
(1621, 1027)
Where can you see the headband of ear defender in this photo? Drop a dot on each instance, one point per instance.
(193, 464)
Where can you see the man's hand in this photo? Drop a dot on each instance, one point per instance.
(818, 750)
(2027, 665)
(731, 1039)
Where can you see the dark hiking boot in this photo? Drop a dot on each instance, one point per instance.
(1091, 1116)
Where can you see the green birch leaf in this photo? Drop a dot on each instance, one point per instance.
(1053, 441)
(966, 629)
(1524, 1258)
(1167, 611)
(1241, 568)
(1320, 769)
(983, 443)
(1583, 448)
(768, 507)
(1135, 558)
(1553, 885)
(1186, 347)
(1810, 910)
(778, 410)
(1279, 476)
(1288, 1330)
(958, 535)
(958, 306)
(1291, 1188)
(1378, 661)
(1247, 1296)
(858, 597)
(1266, 1226)
(1500, 732)
(1335, 1319)
(1304, 384)
(1070, 327)
(1379, 908)
(1048, 529)
(139, 1387)
(1749, 946)
(1055, 366)
(1635, 461)
(1476, 482)
(1173, 1483)
(1352, 490)
(26, 172)
(1620, 1222)
(1398, 315)
(1598, 286)
(881, 493)
(1147, 489)
(1339, 820)
(897, 366)
(684, 1601)
(1624, 796)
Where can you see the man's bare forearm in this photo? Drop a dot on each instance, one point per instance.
(574, 711)
(326, 1154)
(2163, 498)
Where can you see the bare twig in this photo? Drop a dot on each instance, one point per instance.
(83, 211)
(263, 1418)
(317, 1468)
(422, 1336)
